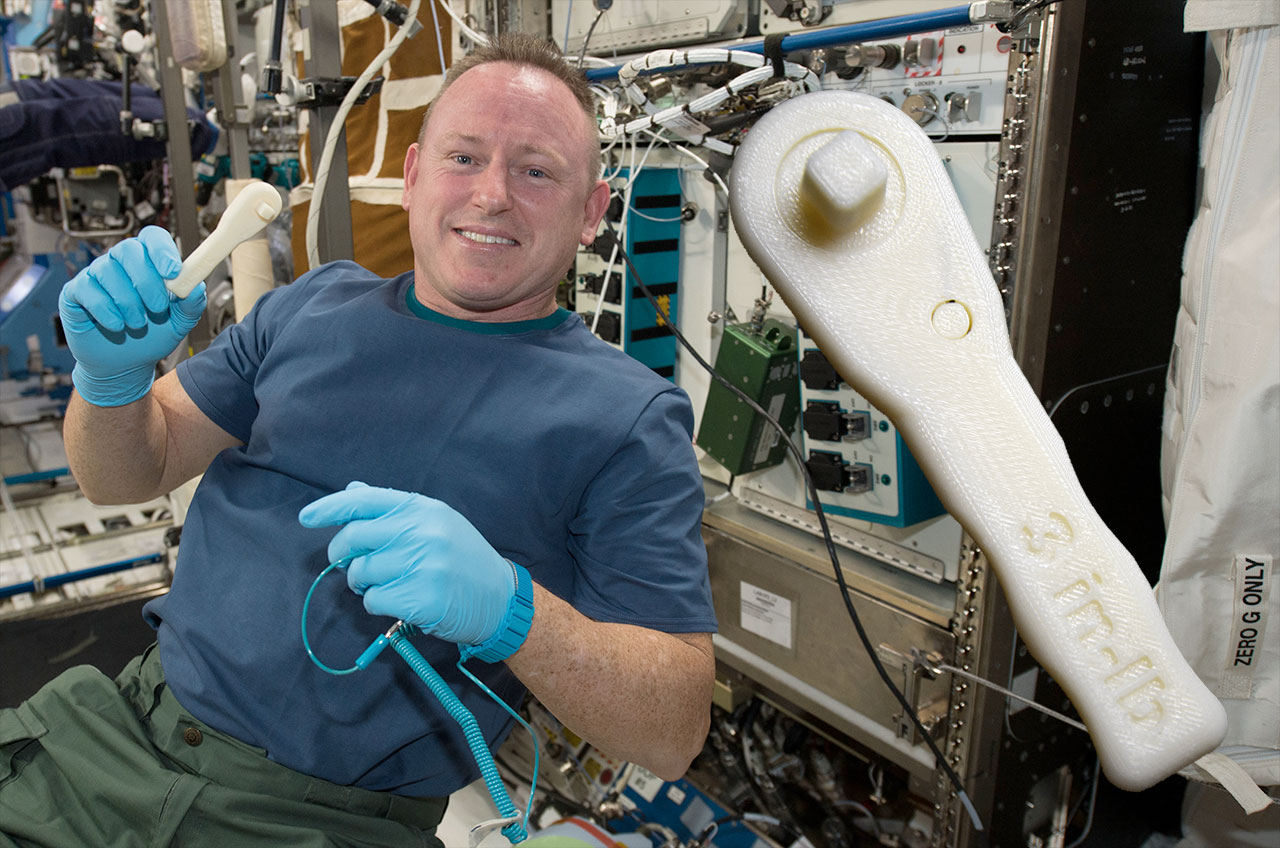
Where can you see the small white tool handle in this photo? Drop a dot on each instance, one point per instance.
(844, 204)
(253, 208)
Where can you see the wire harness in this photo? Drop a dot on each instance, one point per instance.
(679, 118)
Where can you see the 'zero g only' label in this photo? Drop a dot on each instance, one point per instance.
(1253, 578)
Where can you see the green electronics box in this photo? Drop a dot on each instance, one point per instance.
(762, 363)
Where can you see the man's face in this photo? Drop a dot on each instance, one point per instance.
(499, 195)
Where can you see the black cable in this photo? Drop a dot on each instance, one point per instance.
(550, 795)
(822, 522)
(1093, 807)
(45, 38)
(1086, 792)
(1020, 14)
(277, 30)
(126, 95)
(774, 806)
(272, 70)
(582, 54)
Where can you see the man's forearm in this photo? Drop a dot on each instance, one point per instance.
(637, 694)
(116, 452)
(144, 449)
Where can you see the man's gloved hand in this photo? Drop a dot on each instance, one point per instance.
(120, 320)
(417, 559)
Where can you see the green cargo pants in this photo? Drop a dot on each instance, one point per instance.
(91, 762)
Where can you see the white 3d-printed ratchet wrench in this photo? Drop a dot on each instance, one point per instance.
(843, 202)
(254, 207)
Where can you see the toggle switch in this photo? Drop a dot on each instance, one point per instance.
(963, 106)
(920, 54)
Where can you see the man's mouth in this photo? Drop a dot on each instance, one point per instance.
(482, 238)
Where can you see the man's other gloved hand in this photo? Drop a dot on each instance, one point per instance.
(417, 559)
(120, 320)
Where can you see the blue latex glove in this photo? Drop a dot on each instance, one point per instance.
(417, 559)
(120, 320)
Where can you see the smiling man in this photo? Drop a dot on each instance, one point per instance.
(485, 468)
(497, 190)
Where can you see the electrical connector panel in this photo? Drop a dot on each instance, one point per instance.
(627, 320)
(858, 460)
(951, 81)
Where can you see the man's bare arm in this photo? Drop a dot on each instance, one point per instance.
(142, 450)
(637, 694)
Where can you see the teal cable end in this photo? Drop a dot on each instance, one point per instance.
(306, 604)
(371, 653)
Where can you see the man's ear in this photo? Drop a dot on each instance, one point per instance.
(597, 203)
(410, 174)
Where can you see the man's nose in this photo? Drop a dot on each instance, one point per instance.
(493, 189)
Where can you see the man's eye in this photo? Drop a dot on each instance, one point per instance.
(462, 159)
(537, 172)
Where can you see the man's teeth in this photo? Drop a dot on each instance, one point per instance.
(484, 239)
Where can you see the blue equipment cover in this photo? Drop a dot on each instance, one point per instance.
(70, 123)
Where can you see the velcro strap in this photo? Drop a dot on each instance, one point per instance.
(773, 52)
(1235, 780)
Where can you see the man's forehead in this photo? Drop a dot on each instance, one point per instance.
(483, 85)
(529, 146)
(491, 79)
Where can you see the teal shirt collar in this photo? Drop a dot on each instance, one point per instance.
(499, 328)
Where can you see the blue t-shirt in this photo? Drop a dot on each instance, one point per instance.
(568, 456)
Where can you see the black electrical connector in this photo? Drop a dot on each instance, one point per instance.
(318, 92)
(817, 372)
(272, 71)
(609, 327)
(603, 245)
(823, 421)
(828, 470)
(595, 283)
(615, 209)
(717, 124)
(390, 10)
(272, 77)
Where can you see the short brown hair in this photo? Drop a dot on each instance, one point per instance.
(520, 48)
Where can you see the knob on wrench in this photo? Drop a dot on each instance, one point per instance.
(255, 206)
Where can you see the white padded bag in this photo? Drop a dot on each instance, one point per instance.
(1220, 466)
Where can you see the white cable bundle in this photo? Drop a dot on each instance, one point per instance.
(762, 71)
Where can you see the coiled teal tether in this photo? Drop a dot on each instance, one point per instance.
(397, 638)
(515, 832)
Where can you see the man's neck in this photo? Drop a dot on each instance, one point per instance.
(526, 310)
